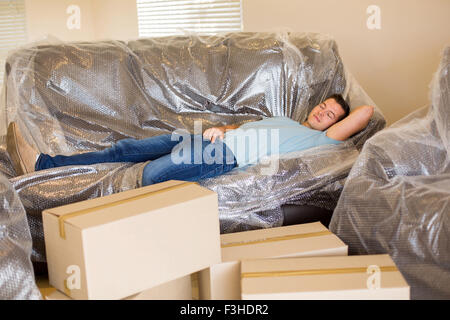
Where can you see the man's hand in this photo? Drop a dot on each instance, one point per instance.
(218, 132)
(214, 133)
(356, 121)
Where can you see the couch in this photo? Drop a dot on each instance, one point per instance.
(78, 97)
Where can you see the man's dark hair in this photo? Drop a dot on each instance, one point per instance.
(340, 100)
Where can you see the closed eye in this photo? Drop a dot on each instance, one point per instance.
(330, 115)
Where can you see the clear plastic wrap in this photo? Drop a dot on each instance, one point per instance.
(16, 271)
(75, 97)
(396, 199)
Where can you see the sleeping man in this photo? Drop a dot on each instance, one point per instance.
(182, 156)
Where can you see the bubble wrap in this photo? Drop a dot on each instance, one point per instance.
(396, 199)
(16, 271)
(75, 97)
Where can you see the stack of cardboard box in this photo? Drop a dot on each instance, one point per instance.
(148, 242)
(137, 242)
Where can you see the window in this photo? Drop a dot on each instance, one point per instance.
(12, 29)
(158, 18)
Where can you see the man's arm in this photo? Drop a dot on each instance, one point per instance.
(353, 123)
(218, 132)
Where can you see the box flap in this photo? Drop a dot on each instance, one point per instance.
(290, 275)
(91, 203)
(125, 204)
(315, 263)
(273, 234)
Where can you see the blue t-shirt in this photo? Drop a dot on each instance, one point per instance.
(275, 135)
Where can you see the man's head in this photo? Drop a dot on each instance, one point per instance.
(325, 114)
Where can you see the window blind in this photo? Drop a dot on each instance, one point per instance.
(170, 17)
(12, 29)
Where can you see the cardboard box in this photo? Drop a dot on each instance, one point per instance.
(178, 289)
(122, 244)
(222, 281)
(323, 278)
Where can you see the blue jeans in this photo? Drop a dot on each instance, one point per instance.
(192, 159)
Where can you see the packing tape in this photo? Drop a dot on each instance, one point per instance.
(310, 272)
(279, 238)
(64, 217)
(66, 288)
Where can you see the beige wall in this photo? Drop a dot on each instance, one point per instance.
(48, 18)
(100, 19)
(394, 64)
(115, 19)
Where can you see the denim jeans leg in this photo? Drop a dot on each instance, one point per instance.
(126, 150)
(202, 163)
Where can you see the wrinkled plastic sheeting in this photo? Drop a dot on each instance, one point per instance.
(297, 175)
(440, 95)
(75, 97)
(6, 167)
(396, 199)
(49, 188)
(16, 271)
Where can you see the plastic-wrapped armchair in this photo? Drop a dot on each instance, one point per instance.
(396, 199)
(74, 97)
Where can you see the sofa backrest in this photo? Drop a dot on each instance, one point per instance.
(85, 96)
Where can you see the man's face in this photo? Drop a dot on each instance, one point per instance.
(325, 115)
